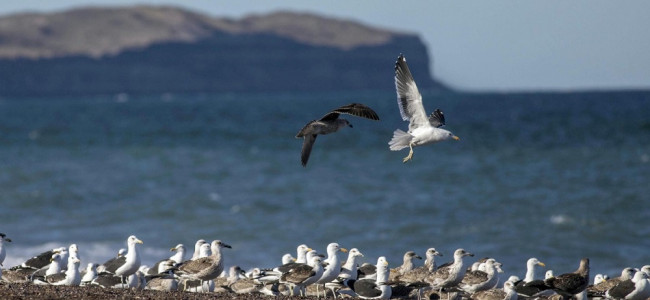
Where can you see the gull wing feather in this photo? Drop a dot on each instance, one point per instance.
(113, 264)
(437, 118)
(409, 98)
(307, 144)
(354, 109)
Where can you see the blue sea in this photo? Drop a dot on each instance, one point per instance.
(557, 176)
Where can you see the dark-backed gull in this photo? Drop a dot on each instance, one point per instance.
(41, 260)
(332, 268)
(126, 265)
(330, 123)
(161, 265)
(108, 280)
(530, 286)
(475, 281)
(303, 275)
(637, 288)
(422, 130)
(348, 271)
(599, 289)
(55, 267)
(70, 277)
(164, 280)
(367, 270)
(349, 268)
(245, 285)
(569, 284)
(373, 289)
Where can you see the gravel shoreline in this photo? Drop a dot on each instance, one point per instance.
(32, 291)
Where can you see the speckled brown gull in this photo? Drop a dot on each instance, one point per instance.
(331, 123)
(205, 268)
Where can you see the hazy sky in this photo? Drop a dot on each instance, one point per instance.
(479, 45)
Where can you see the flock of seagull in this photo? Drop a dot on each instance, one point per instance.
(310, 273)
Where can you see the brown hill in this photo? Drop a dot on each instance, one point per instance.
(108, 31)
(160, 49)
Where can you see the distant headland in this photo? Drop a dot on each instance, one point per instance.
(162, 49)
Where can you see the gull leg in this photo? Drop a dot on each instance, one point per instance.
(410, 156)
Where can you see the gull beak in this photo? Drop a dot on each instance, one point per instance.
(227, 246)
(541, 264)
(455, 138)
(139, 241)
(387, 263)
(172, 249)
(309, 249)
(344, 250)
(418, 257)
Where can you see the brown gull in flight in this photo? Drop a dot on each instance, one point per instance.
(331, 123)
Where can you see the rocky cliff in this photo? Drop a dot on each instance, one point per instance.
(146, 49)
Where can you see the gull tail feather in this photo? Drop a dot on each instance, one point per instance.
(400, 140)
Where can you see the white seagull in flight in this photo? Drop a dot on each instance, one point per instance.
(422, 129)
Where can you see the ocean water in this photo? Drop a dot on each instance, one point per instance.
(553, 176)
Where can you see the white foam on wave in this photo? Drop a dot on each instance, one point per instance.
(560, 219)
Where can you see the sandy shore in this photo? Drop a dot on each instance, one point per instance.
(32, 291)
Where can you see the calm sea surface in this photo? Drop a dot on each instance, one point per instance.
(553, 176)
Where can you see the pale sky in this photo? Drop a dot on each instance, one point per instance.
(478, 45)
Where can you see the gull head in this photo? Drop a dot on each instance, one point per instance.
(448, 135)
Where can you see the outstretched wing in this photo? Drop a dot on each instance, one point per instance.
(409, 98)
(306, 148)
(354, 109)
(437, 118)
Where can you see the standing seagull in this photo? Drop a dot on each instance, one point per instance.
(205, 268)
(3, 253)
(331, 123)
(570, 284)
(422, 130)
(126, 265)
(449, 275)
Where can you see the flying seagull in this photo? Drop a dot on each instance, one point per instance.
(331, 123)
(422, 130)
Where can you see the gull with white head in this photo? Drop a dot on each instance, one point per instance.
(422, 129)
